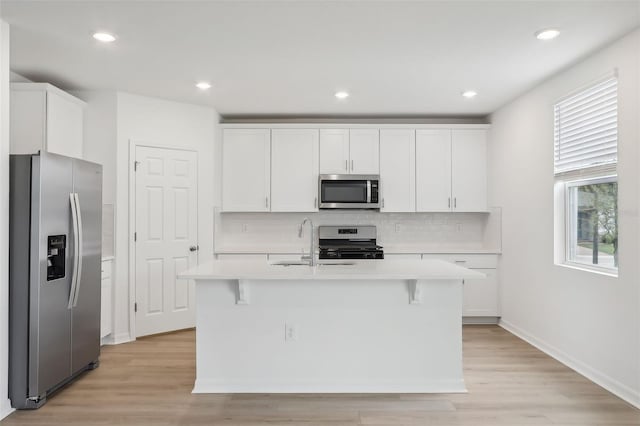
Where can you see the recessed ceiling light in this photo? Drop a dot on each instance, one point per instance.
(342, 95)
(548, 34)
(104, 37)
(469, 94)
(203, 85)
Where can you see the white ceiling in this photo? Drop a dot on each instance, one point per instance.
(289, 57)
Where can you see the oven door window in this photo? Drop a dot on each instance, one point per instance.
(344, 191)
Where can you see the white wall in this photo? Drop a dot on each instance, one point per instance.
(590, 322)
(161, 123)
(100, 136)
(5, 407)
(99, 146)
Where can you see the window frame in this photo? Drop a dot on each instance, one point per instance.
(570, 222)
(565, 180)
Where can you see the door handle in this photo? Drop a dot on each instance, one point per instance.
(194, 248)
(76, 250)
(80, 251)
(346, 165)
(351, 165)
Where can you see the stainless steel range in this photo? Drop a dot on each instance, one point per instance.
(349, 242)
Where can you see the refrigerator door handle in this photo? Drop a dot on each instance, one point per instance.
(76, 249)
(80, 251)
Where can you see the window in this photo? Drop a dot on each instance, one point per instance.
(585, 160)
(592, 231)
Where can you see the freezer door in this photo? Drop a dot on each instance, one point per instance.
(87, 184)
(49, 316)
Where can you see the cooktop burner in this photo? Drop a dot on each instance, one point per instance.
(349, 242)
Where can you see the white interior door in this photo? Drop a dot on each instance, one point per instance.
(166, 227)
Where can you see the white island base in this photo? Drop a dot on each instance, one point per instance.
(376, 327)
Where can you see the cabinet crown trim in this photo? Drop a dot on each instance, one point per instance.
(47, 87)
(339, 126)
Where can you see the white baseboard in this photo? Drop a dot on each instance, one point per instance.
(615, 387)
(480, 320)
(214, 386)
(5, 408)
(117, 339)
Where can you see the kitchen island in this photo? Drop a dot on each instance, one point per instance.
(364, 326)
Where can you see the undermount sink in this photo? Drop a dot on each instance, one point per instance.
(290, 263)
(305, 263)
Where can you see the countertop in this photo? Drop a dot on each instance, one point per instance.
(388, 249)
(431, 269)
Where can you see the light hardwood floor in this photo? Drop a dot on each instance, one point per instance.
(148, 382)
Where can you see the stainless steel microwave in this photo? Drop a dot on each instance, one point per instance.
(349, 191)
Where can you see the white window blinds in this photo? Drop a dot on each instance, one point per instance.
(586, 127)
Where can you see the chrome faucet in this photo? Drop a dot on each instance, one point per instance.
(312, 257)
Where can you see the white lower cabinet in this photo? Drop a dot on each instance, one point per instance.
(480, 297)
(402, 256)
(106, 316)
(241, 256)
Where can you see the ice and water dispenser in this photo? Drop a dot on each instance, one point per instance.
(56, 247)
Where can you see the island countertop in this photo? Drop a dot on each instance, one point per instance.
(383, 269)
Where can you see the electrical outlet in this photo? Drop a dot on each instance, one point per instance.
(245, 227)
(458, 227)
(290, 332)
(398, 227)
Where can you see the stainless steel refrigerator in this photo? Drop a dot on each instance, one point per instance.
(54, 274)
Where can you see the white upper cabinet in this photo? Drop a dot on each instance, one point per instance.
(334, 151)
(355, 151)
(451, 170)
(433, 170)
(246, 170)
(469, 170)
(397, 170)
(364, 151)
(294, 170)
(425, 169)
(44, 118)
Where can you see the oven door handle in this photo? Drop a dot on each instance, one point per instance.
(368, 192)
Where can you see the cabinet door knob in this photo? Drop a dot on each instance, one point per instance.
(194, 248)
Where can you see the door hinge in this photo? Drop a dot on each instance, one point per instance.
(135, 307)
(135, 166)
(135, 236)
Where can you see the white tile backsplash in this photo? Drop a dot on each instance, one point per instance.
(397, 232)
